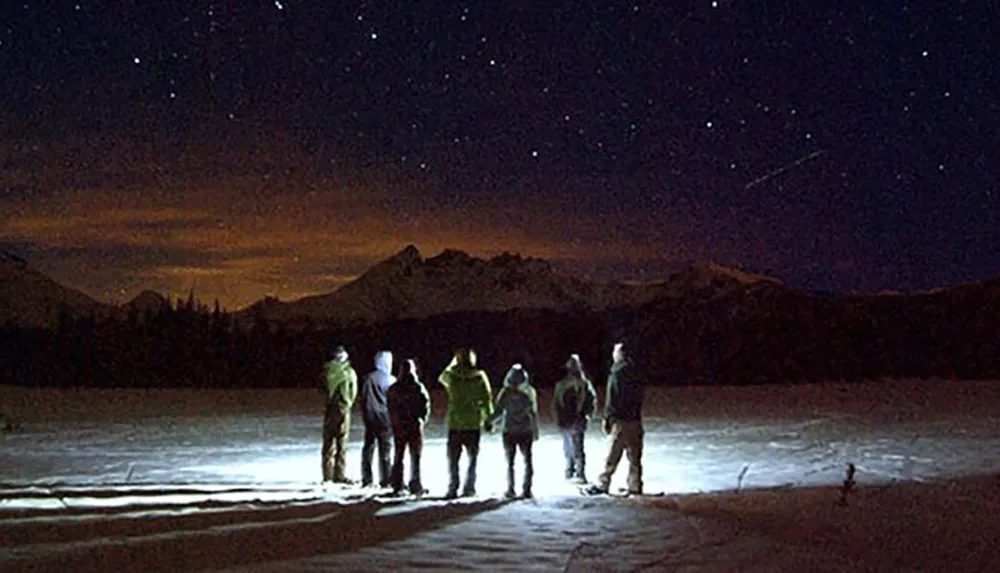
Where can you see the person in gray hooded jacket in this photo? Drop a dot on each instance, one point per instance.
(375, 413)
(517, 411)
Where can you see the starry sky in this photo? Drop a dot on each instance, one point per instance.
(250, 148)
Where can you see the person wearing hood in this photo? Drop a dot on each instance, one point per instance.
(341, 383)
(517, 412)
(573, 404)
(375, 413)
(470, 405)
(623, 421)
(409, 408)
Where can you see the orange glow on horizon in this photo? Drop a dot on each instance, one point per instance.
(240, 236)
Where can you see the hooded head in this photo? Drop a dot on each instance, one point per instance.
(465, 358)
(574, 365)
(408, 369)
(339, 353)
(516, 376)
(383, 361)
(619, 353)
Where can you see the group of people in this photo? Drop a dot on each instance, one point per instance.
(394, 412)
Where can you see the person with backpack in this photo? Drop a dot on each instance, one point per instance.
(341, 385)
(470, 405)
(375, 413)
(573, 404)
(623, 421)
(517, 411)
(409, 407)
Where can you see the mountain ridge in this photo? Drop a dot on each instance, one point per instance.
(705, 324)
(30, 298)
(408, 285)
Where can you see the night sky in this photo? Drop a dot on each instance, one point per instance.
(250, 148)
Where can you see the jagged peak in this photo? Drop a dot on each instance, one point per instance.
(410, 254)
(451, 256)
(508, 260)
(505, 259)
(402, 261)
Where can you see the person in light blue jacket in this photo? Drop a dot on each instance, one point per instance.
(517, 412)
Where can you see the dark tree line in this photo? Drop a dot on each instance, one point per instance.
(764, 335)
(189, 346)
(755, 335)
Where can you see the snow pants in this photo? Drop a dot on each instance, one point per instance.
(381, 437)
(511, 444)
(336, 427)
(409, 439)
(626, 437)
(457, 441)
(576, 458)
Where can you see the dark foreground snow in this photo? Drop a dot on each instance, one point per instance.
(185, 480)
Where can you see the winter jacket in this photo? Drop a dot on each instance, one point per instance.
(374, 405)
(574, 401)
(470, 399)
(623, 399)
(409, 404)
(341, 383)
(517, 405)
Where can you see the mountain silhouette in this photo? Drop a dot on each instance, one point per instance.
(406, 285)
(30, 299)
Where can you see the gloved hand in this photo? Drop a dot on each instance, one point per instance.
(606, 426)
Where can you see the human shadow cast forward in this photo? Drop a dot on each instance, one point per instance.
(277, 536)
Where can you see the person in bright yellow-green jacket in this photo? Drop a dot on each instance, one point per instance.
(341, 385)
(470, 406)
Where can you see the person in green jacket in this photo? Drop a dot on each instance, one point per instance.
(341, 383)
(470, 405)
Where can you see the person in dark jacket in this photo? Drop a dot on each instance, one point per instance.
(409, 408)
(375, 413)
(517, 412)
(341, 385)
(573, 404)
(623, 421)
(470, 406)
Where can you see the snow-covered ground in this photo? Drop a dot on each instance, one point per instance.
(179, 480)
